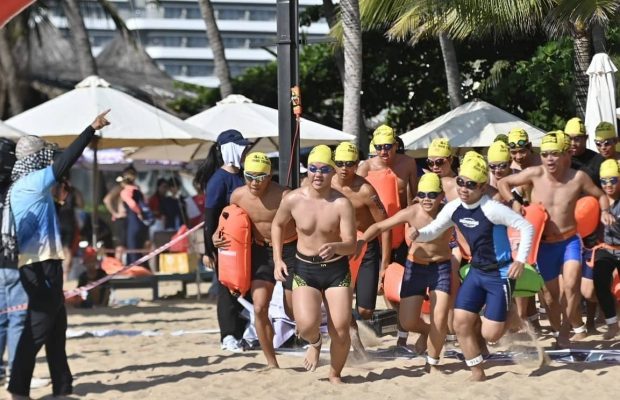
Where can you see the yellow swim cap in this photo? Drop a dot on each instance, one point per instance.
(440, 148)
(609, 168)
(346, 151)
(384, 135)
(605, 130)
(498, 152)
(472, 155)
(575, 127)
(257, 162)
(321, 154)
(519, 137)
(430, 182)
(474, 169)
(371, 148)
(555, 141)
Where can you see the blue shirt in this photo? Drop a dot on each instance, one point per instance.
(220, 187)
(484, 226)
(37, 227)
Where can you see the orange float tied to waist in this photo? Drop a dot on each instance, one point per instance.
(235, 263)
(385, 183)
(355, 263)
(587, 215)
(536, 215)
(392, 283)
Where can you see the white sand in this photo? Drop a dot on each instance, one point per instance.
(194, 367)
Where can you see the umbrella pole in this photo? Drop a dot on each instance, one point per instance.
(95, 223)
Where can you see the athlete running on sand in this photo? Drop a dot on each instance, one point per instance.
(368, 210)
(325, 221)
(558, 187)
(483, 223)
(428, 268)
(260, 198)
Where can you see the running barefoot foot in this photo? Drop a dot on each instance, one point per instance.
(591, 328)
(269, 367)
(401, 342)
(421, 344)
(432, 369)
(579, 336)
(477, 375)
(561, 343)
(335, 380)
(612, 331)
(311, 361)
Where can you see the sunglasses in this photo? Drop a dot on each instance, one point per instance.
(435, 163)
(471, 185)
(501, 166)
(255, 178)
(429, 195)
(325, 169)
(546, 154)
(518, 143)
(609, 181)
(348, 164)
(606, 143)
(385, 147)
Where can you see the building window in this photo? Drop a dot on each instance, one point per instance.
(194, 13)
(200, 70)
(262, 15)
(174, 12)
(197, 41)
(230, 14)
(234, 42)
(173, 69)
(257, 42)
(164, 41)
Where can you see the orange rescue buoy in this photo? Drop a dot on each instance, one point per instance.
(355, 263)
(392, 283)
(111, 265)
(235, 263)
(385, 183)
(587, 215)
(536, 215)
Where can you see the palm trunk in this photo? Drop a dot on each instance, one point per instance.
(331, 17)
(7, 61)
(352, 44)
(581, 46)
(79, 38)
(598, 38)
(222, 72)
(453, 76)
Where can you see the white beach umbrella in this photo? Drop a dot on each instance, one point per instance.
(133, 122)
(7, 131)
(601, 104)
(474, 124)
(254, 121)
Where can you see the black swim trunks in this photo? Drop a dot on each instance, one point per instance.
(262, 262)
(321, 275)
(399, 255)
(368, 276)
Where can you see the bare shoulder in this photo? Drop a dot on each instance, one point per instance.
(364, 167)
(366, 187)
(237, 194)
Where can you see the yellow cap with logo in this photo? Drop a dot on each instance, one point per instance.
(498, 152)
(321, 154)
(346, 151)
(519, 137)
(384, 135)
(472, 155)
(575, 127)
(605, 130)
(371, 149)
(257, 162)
(440, 147)
(430, 182)
(474, 169)
(555, 141)
(609, 169)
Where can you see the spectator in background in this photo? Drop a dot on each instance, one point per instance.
(67, 200)
(156, 200)
(133, 202)
(173, 206)
(100, 295)
(114, 205)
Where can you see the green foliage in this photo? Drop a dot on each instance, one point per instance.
(539, 89)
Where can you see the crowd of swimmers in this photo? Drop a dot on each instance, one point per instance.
(306, 237)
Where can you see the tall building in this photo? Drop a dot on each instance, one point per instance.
(173, 33)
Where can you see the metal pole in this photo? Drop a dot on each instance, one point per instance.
(288, 59)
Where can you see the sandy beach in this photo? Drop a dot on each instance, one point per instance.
(192, 366)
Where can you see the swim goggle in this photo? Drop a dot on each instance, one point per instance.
(348, 164)
(255, 178)
(609, 181)
(435, 163)
(471, 185)
(501, 166)
(386, 146)
(518, 143)
(325, 169)
(429, 195)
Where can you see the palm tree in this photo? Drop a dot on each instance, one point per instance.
(352, 45)
(10, 76)
(222, 72)
(79, 37)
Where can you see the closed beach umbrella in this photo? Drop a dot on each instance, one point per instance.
(601, 104)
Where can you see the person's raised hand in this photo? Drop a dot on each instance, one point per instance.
(100, 121)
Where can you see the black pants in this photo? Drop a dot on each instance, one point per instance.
(604, 265)
(229, 314)
(46, 324)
